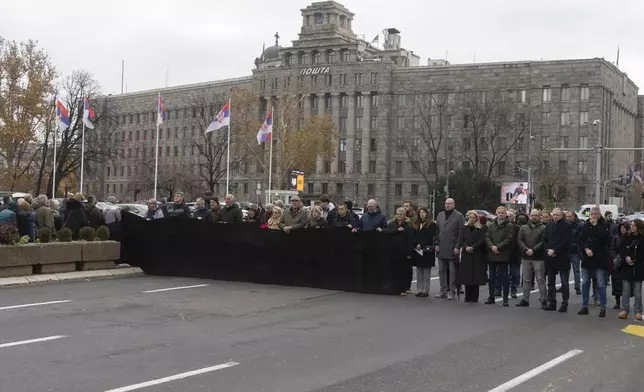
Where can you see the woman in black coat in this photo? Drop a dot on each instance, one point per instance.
(400, 229)
(423, 234)
(615, 276)
(75, 215)
(472, 271)
(631, 269)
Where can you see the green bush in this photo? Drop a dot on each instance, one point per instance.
(103, 233)
(65, 235)
(24, 240)
(43, 235)
(8, 235)
(86, 233)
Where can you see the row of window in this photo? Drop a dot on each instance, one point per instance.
(150, 117)
(166, 133)
(318, 57)
(316, 80)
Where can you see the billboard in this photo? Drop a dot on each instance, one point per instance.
(296, 181)
(514, 192)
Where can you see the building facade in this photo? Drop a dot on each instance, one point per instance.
(371, 92)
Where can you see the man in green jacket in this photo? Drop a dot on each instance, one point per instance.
(44, 215)
(499, 239)
(295, 217)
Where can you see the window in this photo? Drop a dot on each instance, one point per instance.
(316, 58)
(565, 92)
(402, 100)
(583, 141)
(520, 143)
(433, 121)
(371, 190)
(416, 122)
(547, 94)
(291, 60)
(129, 171)
(358, 79)
(343, 79)
(584, 95)
(581, 193)
(343, 101)
(194, 112)
(466, 119)
(431, 167)
(398, 190)
(325, 188)
(262, 84)
(466, 145)
(359, 101)
(319, 19)
(523, 96)
(375, 99)
(414, 190)
(309, 187)
(373, 145)
(343, 123)
(343, 145)
(346, 55)
(563, 142)
(138, 135)
(582, 167)
(192, 131)
(466, 165)
(374, 122)
(399, 167)
(339, 189)
(314, 80)
(544, 142)
(327, 167)
(358, 123)
(129, 153)
(342, 166)
(167, 151)
(358, 168)
(372, 166)
(500, 167)
(327, 101)
(374, 78)
(176, 132)
(120, 188)
(109, 170)
(331, 57)
(145, 134)
(314, 102)
(545, 117)
(400, 122)
(131, 118)
(563, 167)
(358, 145)
(399, 145)
(129, 136)
(415, 144)
(450, 121)
(565, 119)
(583, 118)
(138, 117)
(176, 151)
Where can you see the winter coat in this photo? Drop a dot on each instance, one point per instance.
(75, 217)
(8, 217)
(335, 220)
(597, 239)
(181, 210)
(557, 237)
(44, 216)
(112, 214)
(372, 221)
(58, 220)
(319, 223)
(27, 224)
(154, 214)
(472, 270)
(502, 235)
(616, 282)
(632, 246)
(425, 236)
(295, 219)
(577, 227)
(232, 214)
(449, 229)
(401, 241)
(202, 214)
(94, 215)
(531, 237)
(255, 220)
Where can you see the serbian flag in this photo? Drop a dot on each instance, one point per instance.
(222, 119)
(266, 131)
(160, 112)
(62, 115)
(88, 114)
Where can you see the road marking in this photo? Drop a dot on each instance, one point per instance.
(176, 288)
(173, 378)
(636, 330)
(434, 278)
(48, 338)
(36, 304)
(534, 291)
(536, 371)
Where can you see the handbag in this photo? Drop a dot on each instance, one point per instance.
(617, 262)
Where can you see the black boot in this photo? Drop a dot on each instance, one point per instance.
(544, 305)
(602, 312)
(522, 304)
(583, 312)
(551, 307)
(563, 308)
(489, 301)
(618, 303)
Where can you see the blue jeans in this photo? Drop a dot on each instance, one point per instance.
(514, 277)
(574, 261)
(499, 274)
(599, 276)
(637, 302)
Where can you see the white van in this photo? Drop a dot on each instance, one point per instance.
(584, 211)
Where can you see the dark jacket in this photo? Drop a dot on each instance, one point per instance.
(255, 220)
(502, 235)
(154, 214)
(401, 244)
(577, 227)
(75, 217)
(203, 214)
(372, 221)
(8, 216)
(319, 223)
(425, 236)
(26, 224)
(180, 209)
(94, 215)
(335, 220)
(472, 270)
(632, 246)
(558, 237)
(531, 237)
(232, 214)
(596, 238)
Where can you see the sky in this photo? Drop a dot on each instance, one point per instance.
(192, 41)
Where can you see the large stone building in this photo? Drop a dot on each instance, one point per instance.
(371, 92)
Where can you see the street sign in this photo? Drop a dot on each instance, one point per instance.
(258, 192)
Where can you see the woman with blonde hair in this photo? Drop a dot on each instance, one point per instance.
(273, 222)
(400, 249)
(472, 270)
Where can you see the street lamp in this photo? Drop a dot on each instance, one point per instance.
(446, 189)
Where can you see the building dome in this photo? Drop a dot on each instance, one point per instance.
(271, 53)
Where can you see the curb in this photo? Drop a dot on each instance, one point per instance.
(69, 276)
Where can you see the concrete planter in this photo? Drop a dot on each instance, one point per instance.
(12, 262)
(99, 255)
(59, 257)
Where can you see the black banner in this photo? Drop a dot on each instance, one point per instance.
(333, 259)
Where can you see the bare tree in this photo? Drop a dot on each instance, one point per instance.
(491, 130)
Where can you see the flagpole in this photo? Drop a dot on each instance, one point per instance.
(156, 149)
(270, 159)
(53, 171)
(228, 152)
(82, 158)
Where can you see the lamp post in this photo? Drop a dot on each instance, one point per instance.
(449, 173)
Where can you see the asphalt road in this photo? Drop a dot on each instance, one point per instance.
(124, 335)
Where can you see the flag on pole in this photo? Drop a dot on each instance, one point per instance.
(160, 112)
(88, 114)
(222, 119)
(62, 115)
(266, 131)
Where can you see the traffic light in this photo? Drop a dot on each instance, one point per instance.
(532, 197)
(508, 196)
(517, 171)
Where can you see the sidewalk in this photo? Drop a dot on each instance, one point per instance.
(67, 276)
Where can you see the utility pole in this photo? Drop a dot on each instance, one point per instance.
(598, 149)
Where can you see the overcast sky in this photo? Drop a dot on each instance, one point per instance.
(200, 40)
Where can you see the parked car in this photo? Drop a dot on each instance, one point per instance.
(137, 209)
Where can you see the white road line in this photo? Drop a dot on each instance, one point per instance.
(48, 338)
(36, 304)
(534, 291)
(176, 288)
(536, 371)
(173, 378)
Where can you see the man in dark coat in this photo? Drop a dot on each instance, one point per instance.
(594, 243)
(94, 214)
(500, 241)
(201, 212)
(231, 213)
(557, 245)
(530, 244)
(574, 255)
(179, 208)
(75, 215)
(449, 226)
